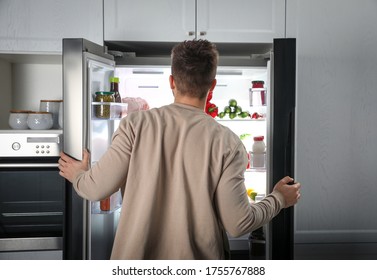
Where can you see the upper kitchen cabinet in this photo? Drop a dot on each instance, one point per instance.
(38, 26)
(237, 21)
(149, 20)
(240, 21)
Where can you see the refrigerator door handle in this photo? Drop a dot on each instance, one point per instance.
(288, 153)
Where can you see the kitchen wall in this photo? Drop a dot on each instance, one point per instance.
(39, 81)
(336, 155)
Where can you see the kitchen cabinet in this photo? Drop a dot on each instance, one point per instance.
(39, 26)
(242, 21)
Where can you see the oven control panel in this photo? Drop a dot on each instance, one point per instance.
(43, 143)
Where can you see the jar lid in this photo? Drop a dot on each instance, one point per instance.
(104, 92)
(257, 82)
(258, 138)
(39, 112)
(19, 111)
(114, 79)
(52, 100)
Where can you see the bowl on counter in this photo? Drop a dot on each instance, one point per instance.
(18, 119)
(40, 120)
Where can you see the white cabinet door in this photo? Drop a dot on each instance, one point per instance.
(39, 25)
(241, 21)
(146, 20)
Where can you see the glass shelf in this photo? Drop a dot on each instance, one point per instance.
(227, 119)
(256, 169)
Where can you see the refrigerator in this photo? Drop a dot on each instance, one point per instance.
(143, 74)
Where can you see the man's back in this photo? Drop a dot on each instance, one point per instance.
(169, 210)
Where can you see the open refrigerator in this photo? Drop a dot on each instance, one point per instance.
(87, 68)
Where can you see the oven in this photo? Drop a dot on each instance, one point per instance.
(31, 195)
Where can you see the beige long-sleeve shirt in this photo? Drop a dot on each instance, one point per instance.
(182, 178)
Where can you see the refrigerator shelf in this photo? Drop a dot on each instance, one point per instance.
(100, 212)
(116, 104)
(257, 169)
(227, 119)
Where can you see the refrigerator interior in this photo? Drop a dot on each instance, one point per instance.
(151, 84)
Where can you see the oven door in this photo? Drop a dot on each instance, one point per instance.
(31, 206)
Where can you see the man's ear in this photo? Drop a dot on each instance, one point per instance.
(171, 82)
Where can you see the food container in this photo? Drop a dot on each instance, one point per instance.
(105, 204)
(258, 154)
(40, 120)
(51, 106)
(257, 94)
(102, 111)
(18, 119)
(60, 120)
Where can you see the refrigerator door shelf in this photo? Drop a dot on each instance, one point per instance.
(115, 204)
(109, 110)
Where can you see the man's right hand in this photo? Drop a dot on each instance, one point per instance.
(291, 192)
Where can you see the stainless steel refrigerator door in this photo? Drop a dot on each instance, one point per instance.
(83, 74)
(270, 148)
(86, 69)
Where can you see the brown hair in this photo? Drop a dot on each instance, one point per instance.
(194, 66)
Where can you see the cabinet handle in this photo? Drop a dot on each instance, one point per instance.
(203, 33)
(191, 33)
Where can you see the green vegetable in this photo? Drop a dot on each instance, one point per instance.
(243, 114)
(244, 136)
(232, 103)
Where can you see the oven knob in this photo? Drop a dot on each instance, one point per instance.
(16, 146)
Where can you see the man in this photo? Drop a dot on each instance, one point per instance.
(180, 172)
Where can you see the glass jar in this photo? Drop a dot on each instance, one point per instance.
(103, 110)
(257, 94)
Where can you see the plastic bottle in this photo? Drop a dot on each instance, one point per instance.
(258, 152)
